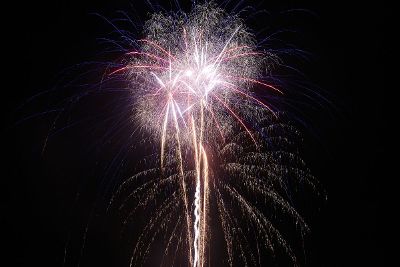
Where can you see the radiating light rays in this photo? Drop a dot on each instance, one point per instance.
(197, 78)
(190, 81)
(193, 83)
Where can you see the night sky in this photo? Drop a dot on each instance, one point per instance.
(343, 142)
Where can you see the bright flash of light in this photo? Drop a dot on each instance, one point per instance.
(193, 78)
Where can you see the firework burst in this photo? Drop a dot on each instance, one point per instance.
(194, 79)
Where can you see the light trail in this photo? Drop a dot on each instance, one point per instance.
(193, 82)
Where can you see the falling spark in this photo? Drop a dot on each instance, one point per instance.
(193, 80)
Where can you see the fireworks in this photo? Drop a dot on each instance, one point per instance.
(194, 77)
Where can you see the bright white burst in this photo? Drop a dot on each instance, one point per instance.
(193, 80)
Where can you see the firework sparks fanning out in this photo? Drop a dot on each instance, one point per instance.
(194, 77)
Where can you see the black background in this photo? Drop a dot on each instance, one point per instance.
(345, 149)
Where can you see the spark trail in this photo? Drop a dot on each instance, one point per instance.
(193, 78)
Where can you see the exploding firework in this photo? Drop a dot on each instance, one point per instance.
(224, 153)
